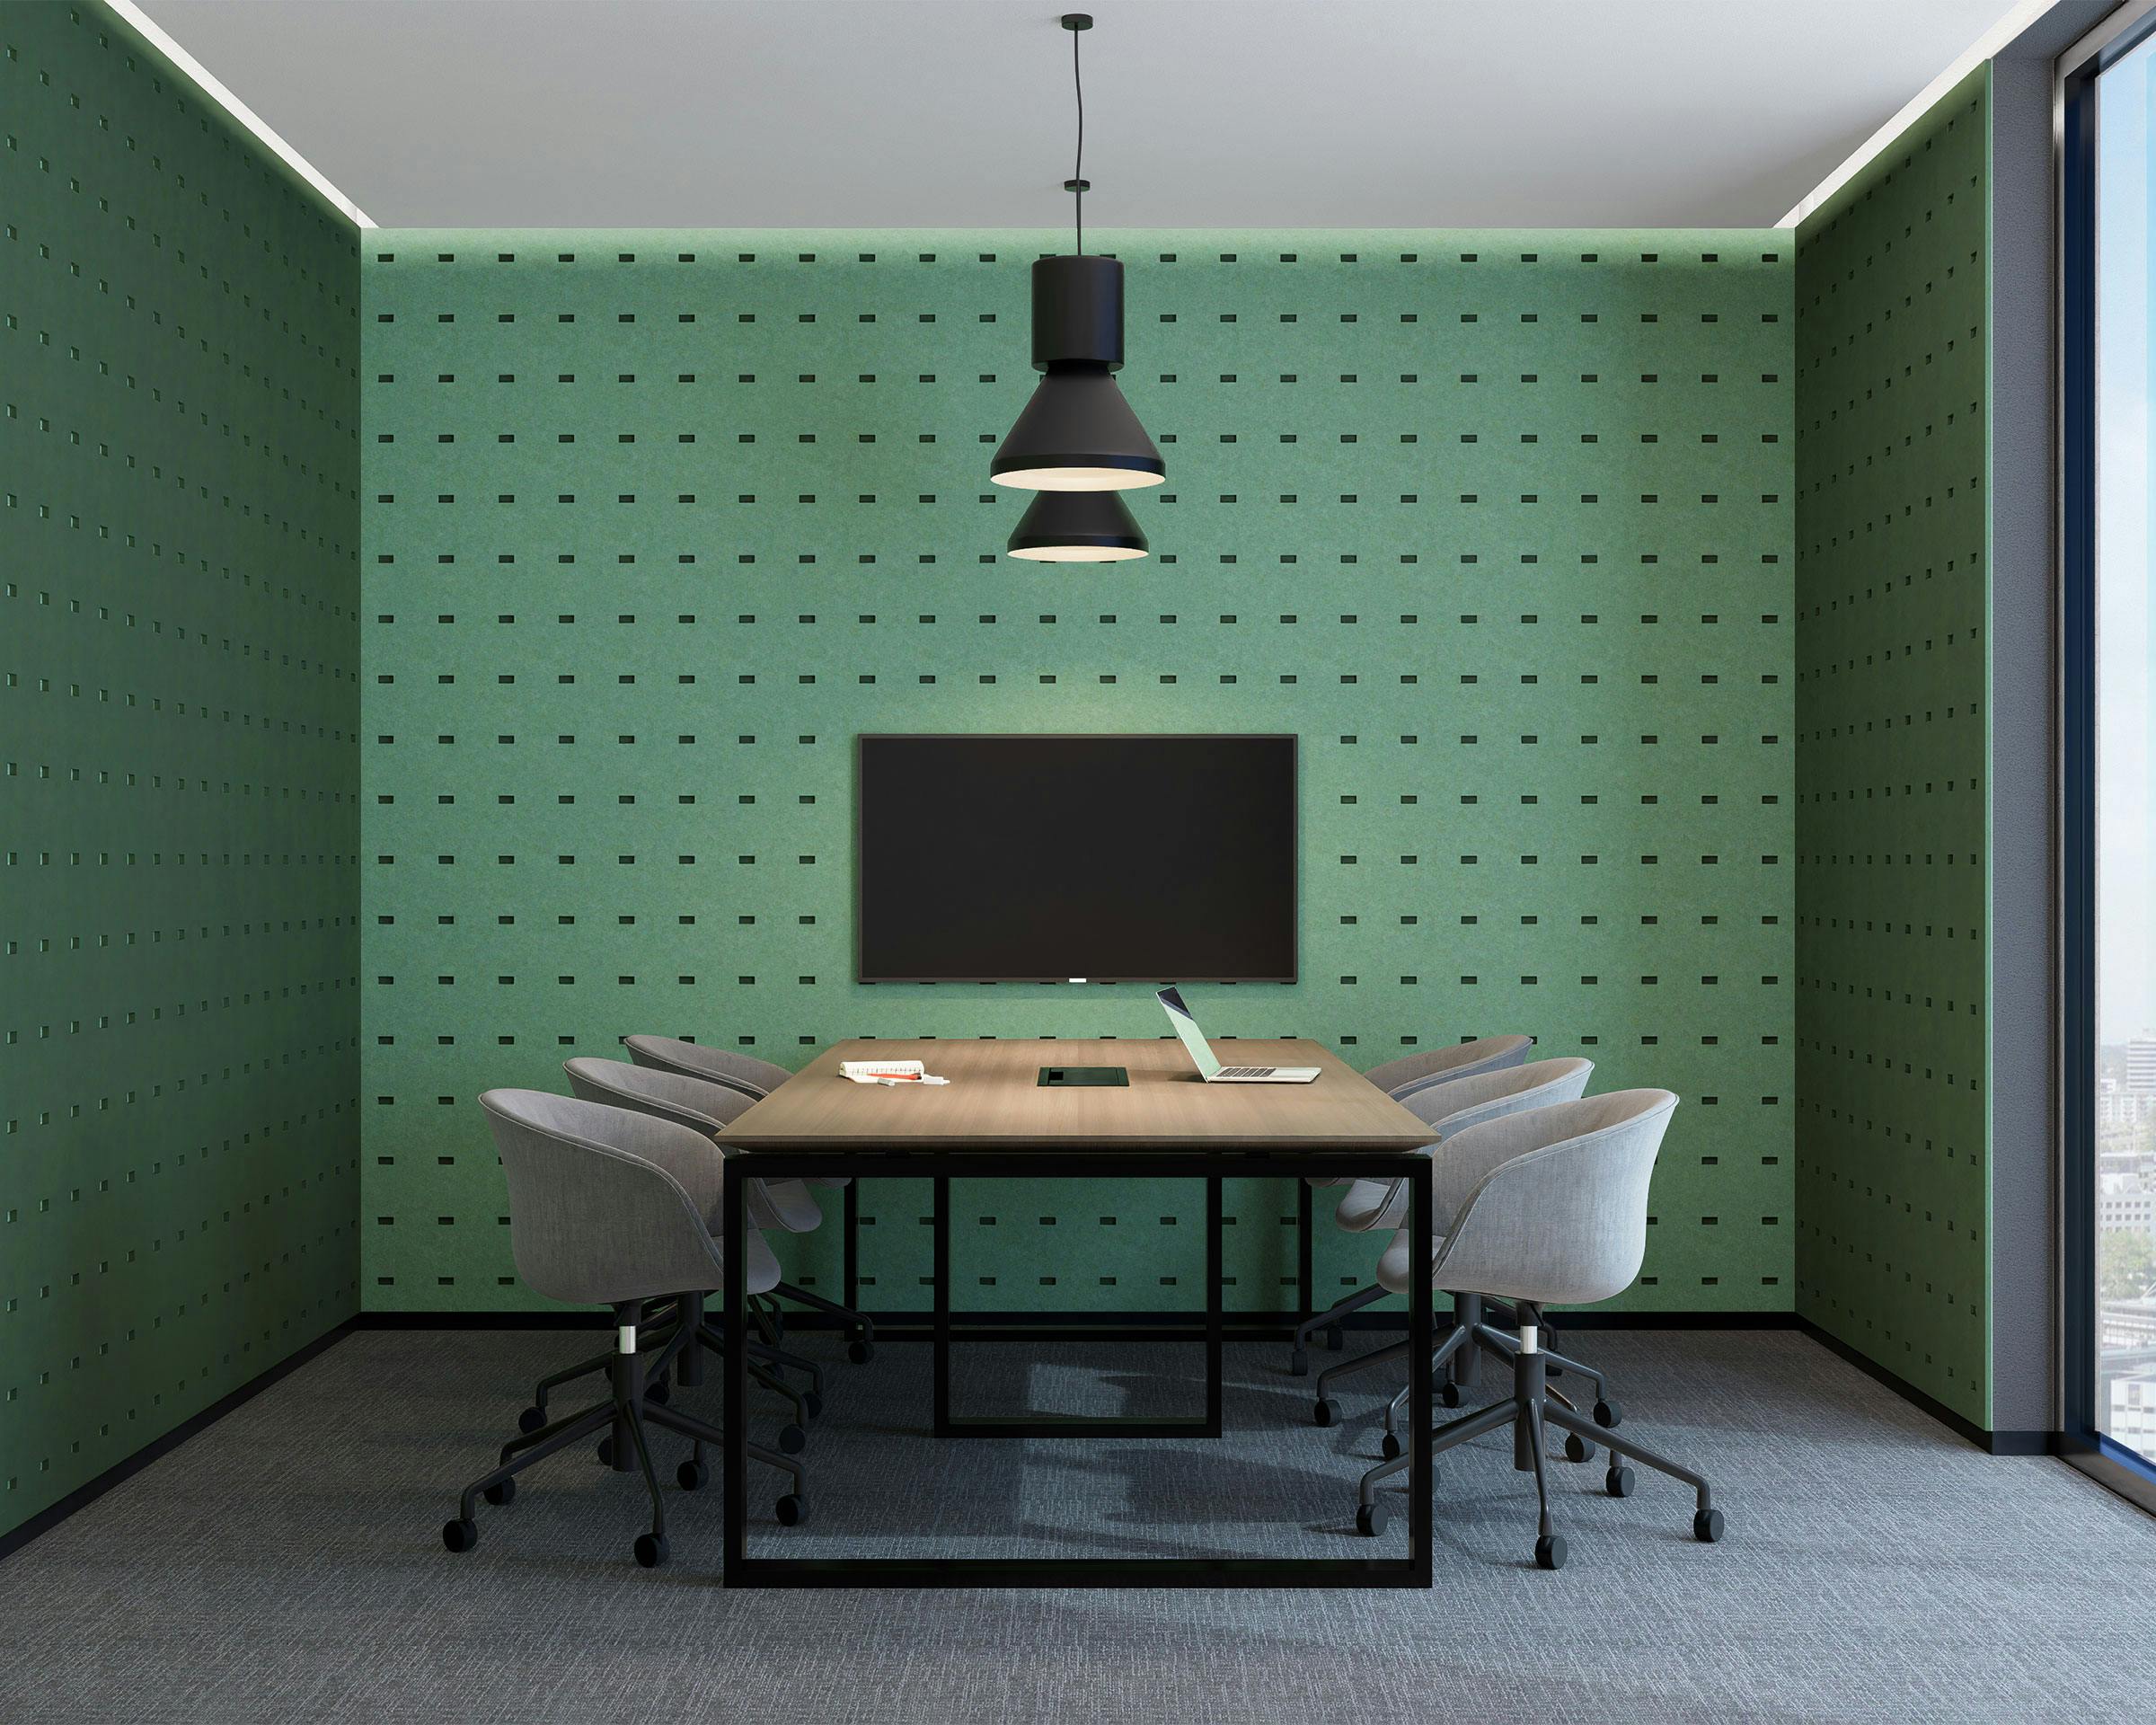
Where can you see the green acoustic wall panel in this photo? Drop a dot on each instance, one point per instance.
(1500, 523)
(179, 761)
(1892, 520)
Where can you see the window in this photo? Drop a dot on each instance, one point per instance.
(2108, 350)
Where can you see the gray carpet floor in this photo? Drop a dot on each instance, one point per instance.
(286, 1564)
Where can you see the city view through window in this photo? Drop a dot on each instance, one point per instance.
(2125, 724)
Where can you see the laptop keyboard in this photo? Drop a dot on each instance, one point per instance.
(1246, 1072)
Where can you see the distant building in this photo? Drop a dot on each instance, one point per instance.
(2123, 1107)
(2140, 1064)
(2132, 1420)
(2126, 1205)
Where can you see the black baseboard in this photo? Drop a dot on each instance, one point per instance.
(55, 1513)
(1997, 1443)
(898, 1323)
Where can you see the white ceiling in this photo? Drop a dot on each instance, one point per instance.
(1208, 113)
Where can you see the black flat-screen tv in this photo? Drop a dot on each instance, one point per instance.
(1063, 859)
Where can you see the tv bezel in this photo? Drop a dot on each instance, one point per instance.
(1294, 861)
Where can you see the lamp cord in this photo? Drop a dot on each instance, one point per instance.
(1078, 166)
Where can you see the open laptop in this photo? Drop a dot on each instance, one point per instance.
(1208, 1067)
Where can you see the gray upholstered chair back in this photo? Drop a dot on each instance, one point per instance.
(1458, 1103)
(697, 1103)
(606, 1206)
(753, 1078)
(1413, 1071)
(742, 1072)
(1561, 1215)
(702, 1107)
(1452, 1108)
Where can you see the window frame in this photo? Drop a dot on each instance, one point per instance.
(2075, 95)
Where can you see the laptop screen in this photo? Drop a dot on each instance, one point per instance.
(1185, 1028)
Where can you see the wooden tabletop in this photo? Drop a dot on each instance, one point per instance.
(994, 1102)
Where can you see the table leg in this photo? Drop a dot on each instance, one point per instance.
(851, 1299)
(1215, 1314)
(1306, 1275)
(941, 1271)
(733, 1462)
(1422, 1413)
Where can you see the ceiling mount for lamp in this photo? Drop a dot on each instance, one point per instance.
(1077, 433)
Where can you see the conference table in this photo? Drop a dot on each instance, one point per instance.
(1085, 1109)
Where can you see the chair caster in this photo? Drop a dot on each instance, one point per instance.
(460, 1535)
(652, 1549)
(1608, 1415)
(692, 1476)
(1392, 1446)
(1707, 1525)
(860, 1352)
(792, 1509)
(1578, 1448)
(1550, 1552)
(1327, 1413)
(1298, 1362)
(812, 1404)
(531, 1420)
(659, 1390)
(1449, 1394)
(605, 1452)
(1618, 1481)
(1370, 1520)
(1336, 1337)
(793, 1439)
(503, 1491)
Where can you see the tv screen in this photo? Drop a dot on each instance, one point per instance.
(1102, 859)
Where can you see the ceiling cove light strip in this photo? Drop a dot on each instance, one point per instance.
(2024, 13)
(143, 26)
(1077, 439)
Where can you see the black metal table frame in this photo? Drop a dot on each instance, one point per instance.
(1209, 1163)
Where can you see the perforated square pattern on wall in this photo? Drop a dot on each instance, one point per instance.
(179, 771)
(1893, 521)
(655, 523)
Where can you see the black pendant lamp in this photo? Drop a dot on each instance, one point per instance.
(1078, 528)
(1077, 435)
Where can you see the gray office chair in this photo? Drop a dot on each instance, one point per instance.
(1360, 1209)
(707, 1108)
(753, 1078)
(615, 1084)
(614, 1208)
(1556, 1213)
(1397, 1078)
(1412, 1072)
(1370, 1205)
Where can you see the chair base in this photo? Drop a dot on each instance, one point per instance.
(662, 1318)
(635, 1404)
(1528, 1411)
(1328, 1320)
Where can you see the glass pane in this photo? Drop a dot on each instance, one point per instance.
(2126, 742)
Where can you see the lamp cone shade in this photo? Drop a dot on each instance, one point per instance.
(1078, 434)
(1078, 528)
